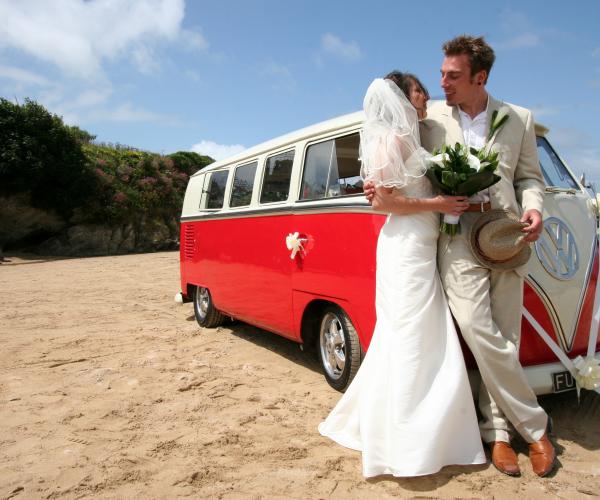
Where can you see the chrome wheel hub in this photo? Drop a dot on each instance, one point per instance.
(202, 300)
(332, 345)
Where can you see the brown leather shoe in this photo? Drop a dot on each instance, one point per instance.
(542, 456)
(504, 458)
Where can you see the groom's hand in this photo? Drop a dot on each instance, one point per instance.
(535, 225)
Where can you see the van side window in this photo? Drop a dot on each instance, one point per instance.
(276, 179)
(555, 173)
(243, 180)
(216, 189)
(332, 168)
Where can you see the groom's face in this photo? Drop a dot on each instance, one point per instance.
(458, 85)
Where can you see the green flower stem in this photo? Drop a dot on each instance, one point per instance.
(450, 229)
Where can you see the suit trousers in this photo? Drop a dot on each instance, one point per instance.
(487, 306)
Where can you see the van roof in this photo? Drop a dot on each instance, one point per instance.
(290, 138)
(303, 133)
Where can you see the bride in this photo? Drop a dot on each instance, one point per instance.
(409, 409)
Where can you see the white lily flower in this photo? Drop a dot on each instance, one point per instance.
(502, 112)
(474, 162)
(439, 159)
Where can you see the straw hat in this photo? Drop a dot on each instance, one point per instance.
(497, 241)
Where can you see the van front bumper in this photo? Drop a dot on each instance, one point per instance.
(540, 376)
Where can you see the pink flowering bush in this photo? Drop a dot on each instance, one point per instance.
(137, 187)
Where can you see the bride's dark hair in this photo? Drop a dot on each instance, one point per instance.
(404, 81)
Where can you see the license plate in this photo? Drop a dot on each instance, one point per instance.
(563, 381)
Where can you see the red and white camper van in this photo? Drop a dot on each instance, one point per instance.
(280, 236)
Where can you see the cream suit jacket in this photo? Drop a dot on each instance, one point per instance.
(521, 186)
(491, 327)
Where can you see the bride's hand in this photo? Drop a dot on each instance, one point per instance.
(453, 205)
(369, 191)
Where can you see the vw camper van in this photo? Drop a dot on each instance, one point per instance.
(280, 236)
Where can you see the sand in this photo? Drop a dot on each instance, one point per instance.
(108, 389)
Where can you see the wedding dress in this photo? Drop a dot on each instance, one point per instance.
(409, 409)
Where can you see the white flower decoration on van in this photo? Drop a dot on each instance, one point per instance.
(588, 372)
(293, 242)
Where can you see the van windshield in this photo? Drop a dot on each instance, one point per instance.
(555, 172)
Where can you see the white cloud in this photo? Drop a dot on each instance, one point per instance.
(193, 75)
(126, 112)
(22, 76)
(145, 60)
(567, 137)
(194, 40)
(521, 41)
(279, 75)
(217, 151)
(335, 46)
(541, 111)
(78, 36)
(92, 97)
(277, 70)
(519, 33)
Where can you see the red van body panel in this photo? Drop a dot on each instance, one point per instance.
(252, 278)
(580, 342)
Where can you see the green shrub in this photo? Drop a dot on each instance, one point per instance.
(61, 170)
(40, 156)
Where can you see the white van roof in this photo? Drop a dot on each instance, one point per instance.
(291, 138)
(306, 132)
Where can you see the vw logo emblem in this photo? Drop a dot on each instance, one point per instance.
(557, 250)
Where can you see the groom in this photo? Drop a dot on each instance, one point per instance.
(486, 303)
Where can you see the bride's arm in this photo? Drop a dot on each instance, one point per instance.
(394, 202)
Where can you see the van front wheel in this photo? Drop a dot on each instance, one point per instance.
(339, 348)
(206, 314)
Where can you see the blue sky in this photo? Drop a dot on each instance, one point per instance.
(214, 77)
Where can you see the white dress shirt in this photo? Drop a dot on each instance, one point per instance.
(474, 134)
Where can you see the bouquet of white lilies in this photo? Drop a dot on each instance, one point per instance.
(461, 171)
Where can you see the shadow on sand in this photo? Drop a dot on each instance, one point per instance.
(574, 420)
(275, 343)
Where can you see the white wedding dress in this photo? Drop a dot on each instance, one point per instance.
(409, 409)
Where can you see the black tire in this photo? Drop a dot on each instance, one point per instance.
(338, 347)
(206, 314)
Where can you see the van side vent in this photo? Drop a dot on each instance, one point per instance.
(189, 242)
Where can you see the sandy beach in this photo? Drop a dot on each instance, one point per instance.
(108, 389)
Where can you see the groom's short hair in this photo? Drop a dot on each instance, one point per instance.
(481, 55)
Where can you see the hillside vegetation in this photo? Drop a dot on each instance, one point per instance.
(63, 194)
